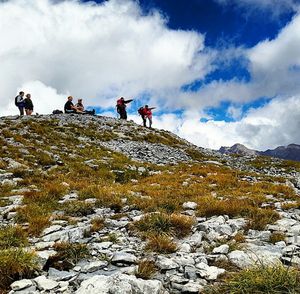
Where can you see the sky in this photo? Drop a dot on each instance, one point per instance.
(219, 72)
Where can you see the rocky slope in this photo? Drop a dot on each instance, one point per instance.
(97, 205)
(290, 152)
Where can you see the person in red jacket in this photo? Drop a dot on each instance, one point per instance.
(146, 113)
(121, 107)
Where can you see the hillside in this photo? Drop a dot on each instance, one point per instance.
(98, 205)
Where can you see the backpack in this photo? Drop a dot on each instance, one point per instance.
(16, 100)
(141, 111)
(57, 111)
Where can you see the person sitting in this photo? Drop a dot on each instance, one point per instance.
(69, 106)
(80, 107)
(121, 107)
(28, 105)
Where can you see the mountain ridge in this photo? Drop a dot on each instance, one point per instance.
(289, 152)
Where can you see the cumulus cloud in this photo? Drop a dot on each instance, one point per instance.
(94, 51)
(97, 52)
(276, 123)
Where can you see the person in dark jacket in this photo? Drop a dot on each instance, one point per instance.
(121, 107)
(19, 101)
(69, 106)
(28, 105)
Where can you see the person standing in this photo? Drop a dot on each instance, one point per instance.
(19, 102)
(28, 105)
(121, 107)
(148, 115)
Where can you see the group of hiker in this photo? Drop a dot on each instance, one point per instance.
(26, 104)
(145, 111)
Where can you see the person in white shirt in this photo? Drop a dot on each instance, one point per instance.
(19, 102)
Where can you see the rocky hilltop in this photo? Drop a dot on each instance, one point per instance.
(92, 204)
(290, 152)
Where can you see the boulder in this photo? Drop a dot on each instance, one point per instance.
(119, 284)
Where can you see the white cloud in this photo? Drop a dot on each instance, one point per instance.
(93, 51)
(276, 123)
(274, 8)
(98, 52)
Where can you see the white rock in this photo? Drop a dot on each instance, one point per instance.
(192, 287)
(45, 284)
(51, 229)
(240, 259)
(43, 257)
(223, 249)
(189, 205)
(165, 263)
(195, 239)
(22, 284)
(119, 284)
(94, 266)
(123, 257)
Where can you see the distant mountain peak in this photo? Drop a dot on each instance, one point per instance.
(289, 152)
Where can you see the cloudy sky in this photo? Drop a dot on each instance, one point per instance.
(218, 71)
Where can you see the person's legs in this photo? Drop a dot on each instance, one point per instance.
(123, 114)
(144, 120)
(150, 122)
(21, 109)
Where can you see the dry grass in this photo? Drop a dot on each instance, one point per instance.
(68, 254)
(78, 208)
(263, 279)
(36, 216)
(97, 224)
(160, 223)
(146, 269)
(12, 236)
(16, 264)
(161, 244)
(276, 237)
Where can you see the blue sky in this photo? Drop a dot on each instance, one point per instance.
(218, 71)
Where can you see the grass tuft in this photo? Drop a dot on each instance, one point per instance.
(68, 254)
(175, 224)
(12, 236)
(146, 269)
(16, 264)
(161, 244)
(263, 279)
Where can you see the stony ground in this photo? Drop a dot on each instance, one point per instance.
(97, 205)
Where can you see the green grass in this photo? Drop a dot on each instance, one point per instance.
(68, 254)
(16, 264)
(260, 280)
(12, 236)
